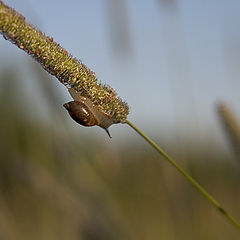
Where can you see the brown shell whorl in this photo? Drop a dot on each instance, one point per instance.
(81, 113)
(84, 112)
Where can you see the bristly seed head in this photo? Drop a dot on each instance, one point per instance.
(58, 62)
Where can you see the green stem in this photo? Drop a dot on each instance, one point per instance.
(188, 177)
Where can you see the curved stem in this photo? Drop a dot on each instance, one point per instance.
(188, 177)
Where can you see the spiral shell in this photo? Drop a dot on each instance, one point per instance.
(84, 112)
(81, 113)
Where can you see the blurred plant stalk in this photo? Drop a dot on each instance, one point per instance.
(119, 28)
(231, 127)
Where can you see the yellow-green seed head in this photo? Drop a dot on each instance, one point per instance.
(58, 62)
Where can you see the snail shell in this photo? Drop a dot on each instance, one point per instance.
(81, 113)
(84, 112)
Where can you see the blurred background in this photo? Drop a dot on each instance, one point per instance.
(176, 63)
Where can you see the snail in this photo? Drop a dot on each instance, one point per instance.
(83, 111)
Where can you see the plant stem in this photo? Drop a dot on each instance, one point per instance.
(188, 177)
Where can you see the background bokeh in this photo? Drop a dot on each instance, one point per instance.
(173, 62)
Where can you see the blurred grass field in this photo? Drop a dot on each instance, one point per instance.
(56, 184)
(172, 59)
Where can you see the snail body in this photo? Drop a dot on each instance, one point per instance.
(83, 111)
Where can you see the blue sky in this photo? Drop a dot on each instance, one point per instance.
(182, 61)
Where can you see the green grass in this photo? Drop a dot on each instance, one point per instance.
(59, 185)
